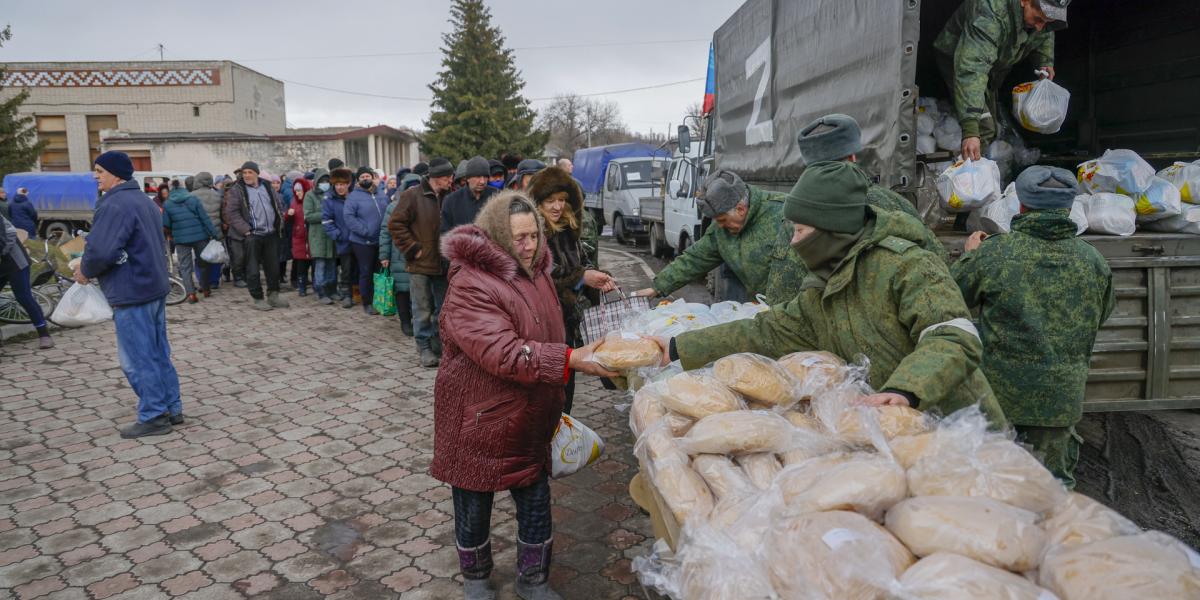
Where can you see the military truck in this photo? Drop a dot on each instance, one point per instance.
(1133, 69)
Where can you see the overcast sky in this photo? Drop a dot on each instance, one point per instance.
(616, 45)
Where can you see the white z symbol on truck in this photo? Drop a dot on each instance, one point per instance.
(759, 133)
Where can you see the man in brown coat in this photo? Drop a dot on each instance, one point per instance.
(414, 226)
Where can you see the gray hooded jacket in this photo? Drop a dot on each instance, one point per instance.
(209, 198)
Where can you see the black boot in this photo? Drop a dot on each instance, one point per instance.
(160, 425)
(476, 566)
(533, 571)
(404, 312)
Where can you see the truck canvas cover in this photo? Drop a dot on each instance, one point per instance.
(591, 163)
(853, 58)
(55, 191)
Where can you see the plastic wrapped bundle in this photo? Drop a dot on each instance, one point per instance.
(926, 144)
(1109, 214)
(1186, 222)
(1186, 178)
(723, 477)
(683, 490)
(647, 411)
(758, 378)
(712, 566)
(1141, 566)
(908, 449)
(834, 555)
(1079, 520)
(1159, 201)
(926, 122)
(725, 312)
(739, 432)
(988, 531)
(697, 395)
(1117, 171)
(624, 351)
(964, 459)
(855, 424)
(996, 217)
(969, 185)
(946, 576)
(948, 133)
(1079, 216)
(868, 484)
(809, 440)
(760, 468)
(1041, 106)
(815, 371)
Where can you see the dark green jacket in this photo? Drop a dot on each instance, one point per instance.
(389, 252)
(889, 300)
(319, 244)
(760, 254)
(985, 39)
(1042, 294)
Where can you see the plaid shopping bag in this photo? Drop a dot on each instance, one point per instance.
(610, 315)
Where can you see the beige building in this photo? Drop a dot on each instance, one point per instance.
(184, 116)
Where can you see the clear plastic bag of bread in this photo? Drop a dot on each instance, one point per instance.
(815, 371)
(758, 379)
(986, 530)
(1141, 566)
(863, 482)
(713, 566)
(760, 468)
(725, 479)
(671, 473)
(1079, 520)
(834, 555)
(697, 394)
(739, 432)
(963, 458)
(810, 439)
(647, 410)
(948, 576)
(626, 351)
(658, 570)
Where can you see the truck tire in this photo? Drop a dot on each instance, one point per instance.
(598, 215)
(62, 228)
(658, 243)
(618, 229)
(684, 242)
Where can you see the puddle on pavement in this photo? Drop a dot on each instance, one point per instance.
(339, 539)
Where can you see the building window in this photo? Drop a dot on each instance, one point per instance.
(53, 131)
(195, 111)
(96, 123)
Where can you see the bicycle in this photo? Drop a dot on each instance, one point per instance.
(11, 311)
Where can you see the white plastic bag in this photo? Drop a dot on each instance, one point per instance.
(82, 305)
(214, 253)
(1041, 105)
(1118, 171)
(948, 133)
(573, 447)
(1186, 177)
(1159, 201)
(1109, 214)
(926, 144)
(996, 216)
(968, 185)
(1186, 222)
(1079, 215)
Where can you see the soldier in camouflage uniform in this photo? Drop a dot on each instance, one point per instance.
(1042, 294)
(748, 234)
(838, 137)
(981, 43)
(873, 291)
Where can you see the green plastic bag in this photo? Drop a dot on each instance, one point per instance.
(385, 294)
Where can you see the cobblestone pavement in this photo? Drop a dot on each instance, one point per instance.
(301, 472)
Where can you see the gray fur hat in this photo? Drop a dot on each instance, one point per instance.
(722, 192)
(831, 137)
(1040, 187)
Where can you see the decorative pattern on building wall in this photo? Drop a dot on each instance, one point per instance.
(110, 77)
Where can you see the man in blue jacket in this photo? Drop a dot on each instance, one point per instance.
(333, 219)
(362, 215)
(23, 213)
(126, 250)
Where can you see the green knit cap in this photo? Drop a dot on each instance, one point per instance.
(830, 195)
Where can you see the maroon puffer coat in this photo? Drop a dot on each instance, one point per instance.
(498, 395)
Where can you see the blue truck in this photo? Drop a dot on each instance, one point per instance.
(618, 180)
(65, 202)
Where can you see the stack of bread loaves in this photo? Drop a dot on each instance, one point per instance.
(784, 486)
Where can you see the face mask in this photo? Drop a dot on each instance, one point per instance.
(323, 186)
(822, 251)
(366, 185)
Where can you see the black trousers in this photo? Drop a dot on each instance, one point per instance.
(473, 514)
(262, 251)
(346, 273)
(237, 258)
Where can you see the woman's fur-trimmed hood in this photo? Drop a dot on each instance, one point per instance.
(487, 244)
(555, 179)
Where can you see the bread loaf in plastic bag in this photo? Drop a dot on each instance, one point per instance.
(739, 432)
(647, 410)
(983, 529)
(893, 421)
(833, 555)
(760, 468)
(815, 371)
(947, 576)
(756, 377)
(1080, 520)
(624, 351)
(1143, 566)
(698, 395)
(868, 484)
(669, 468)
(725, 479)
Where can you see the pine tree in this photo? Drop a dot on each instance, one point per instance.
(19, 148)
(477, 103)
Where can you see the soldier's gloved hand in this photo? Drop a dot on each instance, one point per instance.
(970, 149)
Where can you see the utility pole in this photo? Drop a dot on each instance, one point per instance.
(160, 51)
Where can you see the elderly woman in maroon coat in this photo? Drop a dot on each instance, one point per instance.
(499, 392)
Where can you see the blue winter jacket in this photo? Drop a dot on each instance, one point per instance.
(364, 212)
(126, 248)
(23, 214)
(185, 218)
(333, 219)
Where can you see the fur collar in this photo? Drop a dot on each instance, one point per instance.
(470, 246)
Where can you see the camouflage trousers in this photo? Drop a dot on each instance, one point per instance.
(1056, 447)
(987, 124)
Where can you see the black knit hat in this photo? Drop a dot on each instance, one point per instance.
(440, 167)
(359, 173)
(421, 168)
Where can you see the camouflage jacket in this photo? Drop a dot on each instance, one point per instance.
(986, 38)
(881, 197)
(889, 300)
(1042, 293)
(760, 255)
